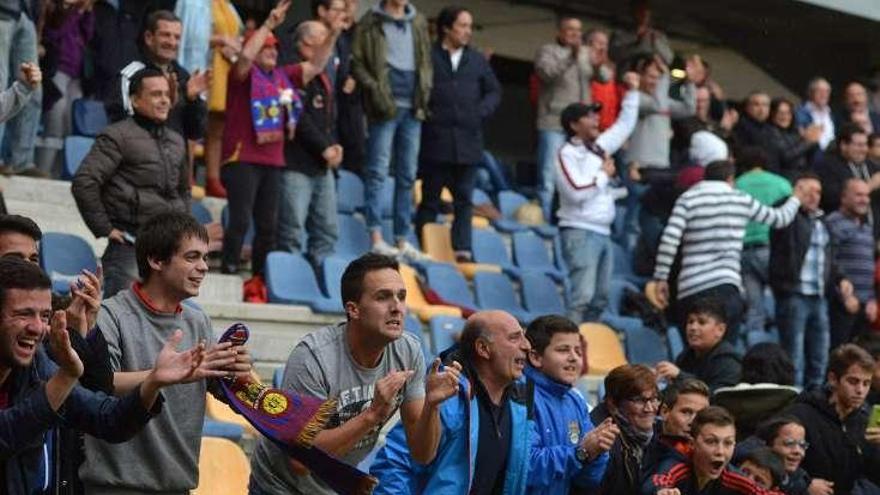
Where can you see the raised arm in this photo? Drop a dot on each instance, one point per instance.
(254, 44)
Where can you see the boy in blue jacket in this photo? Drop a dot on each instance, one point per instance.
(566, 449)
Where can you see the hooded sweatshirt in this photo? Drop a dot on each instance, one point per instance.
(401, 55)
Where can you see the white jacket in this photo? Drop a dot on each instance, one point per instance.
(585, 198)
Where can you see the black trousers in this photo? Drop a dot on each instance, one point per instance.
(460, 179)
(845, 326)
(252, 193)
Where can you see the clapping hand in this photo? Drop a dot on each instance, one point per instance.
(82, 313)
(384, 402)
(441, 385)
(65, 357)
(198, 83)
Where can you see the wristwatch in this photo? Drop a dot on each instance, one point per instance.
(582, 455)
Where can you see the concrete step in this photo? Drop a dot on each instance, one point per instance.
(220, 288)
(40, 191)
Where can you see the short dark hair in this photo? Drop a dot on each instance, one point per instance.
(777, 102)
(719, 170)
(807, 175)
(684, 387)
(848, 355)
(447, 17)
(542, 329)
(848, 130)
(151, 23)
(711, 306)
(161, 236)
(768, 430)
(137, 80)
(767, 363)
(16, 273)
(20, 225)
(769, 460)
(319, 3)
(712, 415)
(748, 158)
(352, 284)
(628, 380)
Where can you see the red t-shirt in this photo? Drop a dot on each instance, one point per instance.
(609, 95)
(239, 138)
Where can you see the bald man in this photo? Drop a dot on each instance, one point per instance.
(484, 442)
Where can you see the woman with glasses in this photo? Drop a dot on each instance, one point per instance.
(786, 436)
(632, 401)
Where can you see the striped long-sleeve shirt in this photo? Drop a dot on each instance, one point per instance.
(853, 247)
(709, 223)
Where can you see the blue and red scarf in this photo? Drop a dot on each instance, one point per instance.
(275, 104)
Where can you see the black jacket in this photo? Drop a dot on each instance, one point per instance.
(460, 103)
(350, 118)
(833, 171)
(135, 169)
(789, 153)
(750, 132)
(186, 117)
(315, 128)
(624, 470)
(838, 451)
(788, 248)
(720, 367)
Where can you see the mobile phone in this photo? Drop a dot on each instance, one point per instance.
(874, 420)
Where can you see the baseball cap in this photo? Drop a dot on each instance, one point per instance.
(271, 40)
(575, 111)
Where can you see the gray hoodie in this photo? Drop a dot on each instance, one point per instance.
(649, 142)
(401, 56)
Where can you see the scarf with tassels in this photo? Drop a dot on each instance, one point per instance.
(291, 421)
(275, 105)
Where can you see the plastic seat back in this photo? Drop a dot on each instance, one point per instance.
(63, 256)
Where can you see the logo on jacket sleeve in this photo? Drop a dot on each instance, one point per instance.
(574, 432)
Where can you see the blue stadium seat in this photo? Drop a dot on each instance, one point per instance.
(449, 284)
(412, 325)
(676, 343)
(479, 197)
(540, 294)
(349, 192)
(63, 256)
(75, 150)
(494, 291)
(508, 203)
(443, 330)
(222, 429)
(201, 213)
(89, 117)
(644, 345)
(623, 266)
(529, 253)
(388, 234)
(291, 280)
(354, 240)
(488, 247)
(248, 236)
(331, 277)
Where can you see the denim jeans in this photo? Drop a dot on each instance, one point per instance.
(588, 256)
(459, 178)
(396, 140)
(252, 193)
(806, 336)
(549, 143)
(120, 267)
(755, 277)
(307, 207)
(19, 42)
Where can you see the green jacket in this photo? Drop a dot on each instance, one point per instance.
(370, 69)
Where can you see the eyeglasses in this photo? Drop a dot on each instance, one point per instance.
(644, 401)
(791, 442)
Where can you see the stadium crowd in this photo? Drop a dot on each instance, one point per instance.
(636, 148)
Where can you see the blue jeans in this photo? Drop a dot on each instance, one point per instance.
(396, 140)
(588, 256)
(120, 267)
(806, 336)
(308, 207)
(755, 277)
(549, 143)
(19, 39)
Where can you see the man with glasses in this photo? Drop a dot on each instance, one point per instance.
(843, 449)
(631, 401)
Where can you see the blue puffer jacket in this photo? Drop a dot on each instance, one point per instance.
(561, 422)
(25, 451)
(451, 471)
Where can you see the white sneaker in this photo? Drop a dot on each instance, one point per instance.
(385, 249)
(411, 252)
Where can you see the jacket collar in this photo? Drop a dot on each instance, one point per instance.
(151, 126)
(546, 383)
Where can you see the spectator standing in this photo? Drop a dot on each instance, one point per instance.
(349, 97)
(172, 249)
(816, 113)
(707, 356)
(753, 127)
(464, 94)
(712, 255)
(253, 147)
(159, 49)
(308, 188)
(136, 169)
(842, 450)
(68, 29)
(791, 148)
(586, 199)
(631, 400)
(604, 88)
(852, 245)
(392, 63)
(856, 110)
(768, 188)
(374, 368)
(14, 98)
(804, 277)
(564, 70)
(642, 41)
(566, 450)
